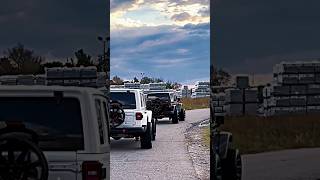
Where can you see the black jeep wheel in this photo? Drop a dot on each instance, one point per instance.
(175, 117)
(21, 159)
(232, 166)
(154, 129)
(216, 165)
(146, 138)
(182, 115)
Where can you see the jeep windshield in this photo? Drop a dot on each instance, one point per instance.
(58, 122)
(164, 96)
(126, 99)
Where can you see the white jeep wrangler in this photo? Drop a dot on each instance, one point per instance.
(53, 132)
(137, 121)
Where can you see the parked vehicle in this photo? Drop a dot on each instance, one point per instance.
(225, 159)
(138, 121)
(166, 104)
(53, 132)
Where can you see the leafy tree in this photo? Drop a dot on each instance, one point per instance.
(146, 80)
(6, 66)
(53, 64)
(83, 59)
(172, 85)
(117, 81)
(23, 60)
(135, 80)
(220, 77)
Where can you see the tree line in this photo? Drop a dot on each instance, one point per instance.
(116, 80)
(21, 60)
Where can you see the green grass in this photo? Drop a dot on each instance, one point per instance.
(258, 134)
(195, 103)
(206, 136)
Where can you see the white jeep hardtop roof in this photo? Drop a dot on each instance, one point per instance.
(124, 90)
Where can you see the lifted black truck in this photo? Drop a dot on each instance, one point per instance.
(166, 105)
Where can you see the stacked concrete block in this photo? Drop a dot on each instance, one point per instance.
(25, 80)
(296, 89)
(241, 102)
(218, 103)
(8, 80)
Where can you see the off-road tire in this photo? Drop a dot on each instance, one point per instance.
(146, 138)
(216, 168)
(14, 143)
(182, 115)
(154, 129)
(231, 165)
(175, 117)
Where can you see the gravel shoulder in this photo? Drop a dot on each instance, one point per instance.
(168, 159)
(198, 151)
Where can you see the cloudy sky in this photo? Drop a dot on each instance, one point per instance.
(160, 38)
(252, 36)
(54, 29)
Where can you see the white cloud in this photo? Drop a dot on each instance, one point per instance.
(177, 12)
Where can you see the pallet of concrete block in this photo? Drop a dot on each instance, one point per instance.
(306, 78)
(313, 89)
(233, 95)
(233, 109)
(287, 79)
(296, 67)
(54, 76)
(8, 80)
(277, 111)
(218, 109)
(71, 76)
(298, 101)
(25, 79)
(218, 99)
(251, 95)
(284, 67)
(40, 79)
(317, 78)
(279, 101)
(237, 109)
(313, 109)
(313, 100)
(298, 89)
(278, 90)
(236, 95)
(54, 73)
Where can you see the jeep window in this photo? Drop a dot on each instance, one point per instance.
(57, 122)
(107, 121)
(142, 100)
(164, 96)
(127, 99)
(100, 121)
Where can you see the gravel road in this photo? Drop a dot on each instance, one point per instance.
(299, 164)
(168, 159)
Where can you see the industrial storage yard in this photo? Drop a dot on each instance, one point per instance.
(268, 121)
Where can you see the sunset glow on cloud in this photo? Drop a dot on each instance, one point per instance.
(161, 38)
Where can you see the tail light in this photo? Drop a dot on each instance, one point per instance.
(139, 116)
(92, 170)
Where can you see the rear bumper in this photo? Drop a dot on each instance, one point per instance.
(134, 131)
